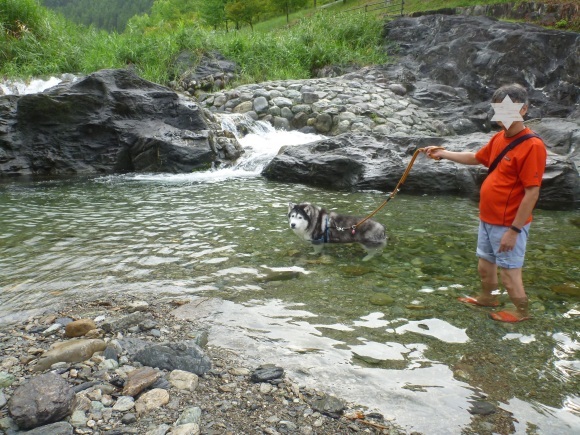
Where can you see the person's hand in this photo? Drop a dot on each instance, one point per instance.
(508, 241)
(434, 152)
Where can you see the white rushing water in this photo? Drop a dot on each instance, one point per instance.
(260, 141)
(33, 86)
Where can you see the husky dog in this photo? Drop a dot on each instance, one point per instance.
(317, 226)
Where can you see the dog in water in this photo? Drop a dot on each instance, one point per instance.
(318, 226)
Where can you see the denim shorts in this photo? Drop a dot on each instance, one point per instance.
(488, 240)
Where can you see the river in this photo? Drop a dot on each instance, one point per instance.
(387, 333)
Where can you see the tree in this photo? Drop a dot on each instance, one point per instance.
(245, 11)
(287, 5)
(213, 12)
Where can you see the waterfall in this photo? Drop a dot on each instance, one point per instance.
(34, 86)
(261, 141)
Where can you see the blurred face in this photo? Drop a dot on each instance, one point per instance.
(508, 112)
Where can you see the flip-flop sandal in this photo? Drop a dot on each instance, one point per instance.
(472, 301)
(507, 317)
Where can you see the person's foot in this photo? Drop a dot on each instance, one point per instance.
(509, 316)
(480, 301)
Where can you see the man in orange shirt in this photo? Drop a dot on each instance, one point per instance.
(507, 198)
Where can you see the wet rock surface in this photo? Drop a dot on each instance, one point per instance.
(110, 121)
(109, 392)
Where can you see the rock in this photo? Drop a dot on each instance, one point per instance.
(6, 379)
(137, 306)
(568, 288)
(189, 415)
(267, 373)
(356, 161)
(186, 429)
(78, 328)
(329, 405)
(482, 60)
(481, 408)
(52, 329)
(111, 353)
(129, 418)
(75, 350)
(140, 379)
(381, 299)
(2, 399)
(122, 323)
(126, 124)
(78, 419)
(183, 380)
(60, 428)
(151, 400)
(43, 399)
(184, 355)
(124, 403)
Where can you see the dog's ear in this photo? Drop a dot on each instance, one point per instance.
(290, 206)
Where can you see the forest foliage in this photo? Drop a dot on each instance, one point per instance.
(36, 41)
(105, 14)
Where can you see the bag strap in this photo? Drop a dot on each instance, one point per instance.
(507, 149)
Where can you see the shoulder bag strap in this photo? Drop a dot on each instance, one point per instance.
(507, 149)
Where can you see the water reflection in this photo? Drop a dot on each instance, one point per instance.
(413, 353)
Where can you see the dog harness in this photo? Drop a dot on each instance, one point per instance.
(325, 238)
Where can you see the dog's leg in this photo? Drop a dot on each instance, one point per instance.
(373, 249)
(318, 247)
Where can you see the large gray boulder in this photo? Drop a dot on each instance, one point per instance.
(43, 399)
(446, 60)
(360, 161)
(110, 121)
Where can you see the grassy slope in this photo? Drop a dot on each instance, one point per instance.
(48, 44)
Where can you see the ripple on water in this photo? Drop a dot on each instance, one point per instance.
(173, 236)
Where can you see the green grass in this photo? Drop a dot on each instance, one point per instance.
(35, 42)
(55, 46)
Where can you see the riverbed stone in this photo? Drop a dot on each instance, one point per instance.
(183, 355)
(6, 379)
(329, 405)
(78, 328)
(183, 380)
(43, 399)
(140, 379)
(75, 350)
(151, 400)
(124, 403)
(122, 323)
(59, 428)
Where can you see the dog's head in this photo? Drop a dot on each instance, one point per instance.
(299, 217)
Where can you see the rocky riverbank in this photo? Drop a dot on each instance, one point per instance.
(125, 366)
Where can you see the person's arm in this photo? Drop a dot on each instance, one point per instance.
(531, 195)
(463, 157)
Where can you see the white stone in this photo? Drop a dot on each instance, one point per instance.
(124, 403)
(186, 429)
(151, 400)
(183, 380)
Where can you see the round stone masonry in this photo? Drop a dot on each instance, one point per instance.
(361, 101)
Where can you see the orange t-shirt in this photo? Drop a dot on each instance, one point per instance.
(503, 190)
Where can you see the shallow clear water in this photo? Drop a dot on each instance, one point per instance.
(419, 359)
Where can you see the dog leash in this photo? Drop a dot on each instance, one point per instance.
(398, 186)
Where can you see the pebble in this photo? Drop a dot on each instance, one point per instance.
(101, 385)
